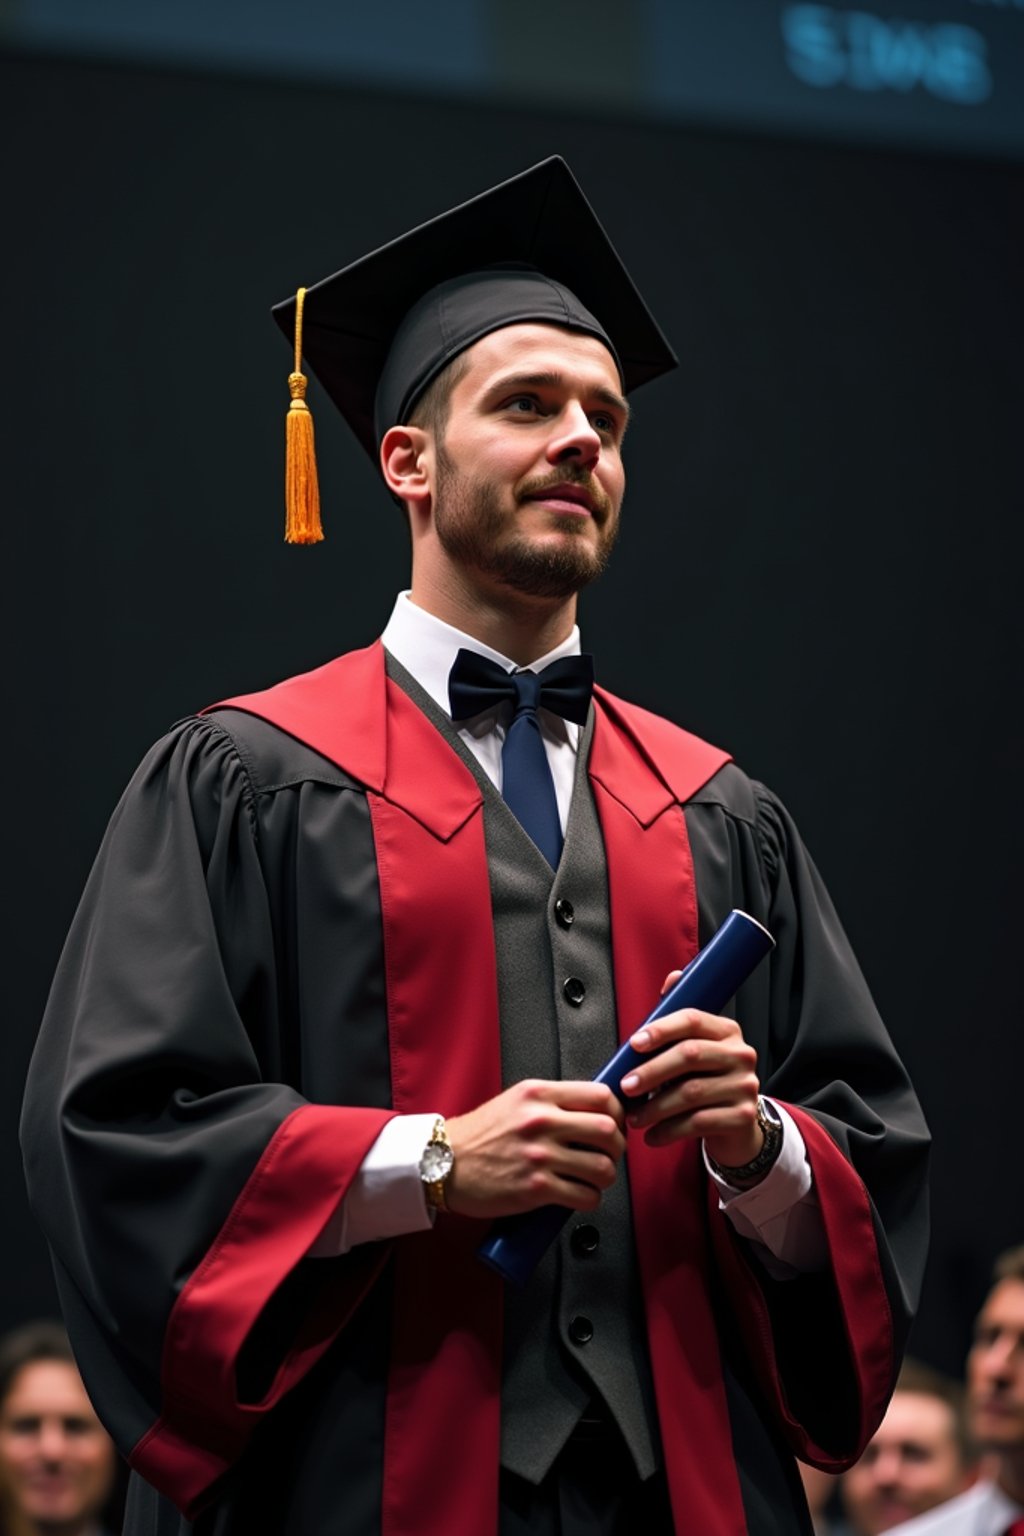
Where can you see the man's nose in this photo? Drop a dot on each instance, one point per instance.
(52, 1442)
(574, 437)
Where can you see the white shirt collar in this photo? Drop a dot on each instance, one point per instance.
(426, 647)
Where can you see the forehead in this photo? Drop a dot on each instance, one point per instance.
(535, 348)
(47, 1386)
(917, 1416)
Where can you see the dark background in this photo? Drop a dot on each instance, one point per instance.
(819, 545)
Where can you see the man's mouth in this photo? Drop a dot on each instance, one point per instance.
(998, 1408)
(573, 498)
(49, 1483)
(892, 1512)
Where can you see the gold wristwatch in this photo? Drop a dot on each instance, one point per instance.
(771, 1129)
(436, 1165)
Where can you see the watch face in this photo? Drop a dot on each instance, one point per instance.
(768, 1116)
(436, 1162)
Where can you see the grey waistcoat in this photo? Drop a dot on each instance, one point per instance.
(556, 1002)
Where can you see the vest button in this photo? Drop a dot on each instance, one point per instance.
(565, 912)
(581, 1330)
(585, 1239)
(574, 990)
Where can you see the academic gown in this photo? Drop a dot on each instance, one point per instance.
(285, 940)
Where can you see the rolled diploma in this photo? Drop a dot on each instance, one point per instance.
(515, 1245)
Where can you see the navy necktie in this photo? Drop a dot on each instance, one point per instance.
(475, 683)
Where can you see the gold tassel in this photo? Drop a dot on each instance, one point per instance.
(301, 492)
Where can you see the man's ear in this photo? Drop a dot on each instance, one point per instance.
(406, 462)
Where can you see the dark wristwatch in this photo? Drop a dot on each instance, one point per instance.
(771, 1128)
(436, 1165)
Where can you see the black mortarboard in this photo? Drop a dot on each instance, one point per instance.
(530, 249)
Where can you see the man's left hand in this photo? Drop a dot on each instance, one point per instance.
(703, 1081)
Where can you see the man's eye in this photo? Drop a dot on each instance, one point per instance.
(604, 423)
(522, 405)
(25, 1426)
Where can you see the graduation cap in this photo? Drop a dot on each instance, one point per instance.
(378, 332)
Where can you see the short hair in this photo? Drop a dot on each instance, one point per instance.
(43, 1339)
(1009, 1265)
(432, 408)
(924, 1380)
(430, 413)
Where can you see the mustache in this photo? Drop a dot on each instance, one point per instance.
(599, 499)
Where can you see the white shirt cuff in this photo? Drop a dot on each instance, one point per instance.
(780, 1217)
(386, 1198)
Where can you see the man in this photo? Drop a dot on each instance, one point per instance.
(334, 955)
(57, 1462)
(995, 1416)
(917, 1459)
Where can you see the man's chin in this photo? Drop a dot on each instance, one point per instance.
(557, 568)
(551, 578)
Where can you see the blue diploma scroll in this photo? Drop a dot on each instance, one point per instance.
(516, 1245)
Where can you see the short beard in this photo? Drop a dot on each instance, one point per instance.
(473, 530)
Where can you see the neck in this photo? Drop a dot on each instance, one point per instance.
(520, 627)
(1010, 1475)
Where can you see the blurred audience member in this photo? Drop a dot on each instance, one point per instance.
(820, 1491)
(56, 1459)
(995, 1416)
(918, 1458)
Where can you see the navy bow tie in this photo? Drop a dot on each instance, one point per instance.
(564, 687)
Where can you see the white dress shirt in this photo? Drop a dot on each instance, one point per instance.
(427, 647)
(779, 1216)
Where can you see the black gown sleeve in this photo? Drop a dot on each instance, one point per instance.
(832, 1056)
(825, 1348)
(178, 1185)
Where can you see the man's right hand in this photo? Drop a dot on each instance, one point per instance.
(538, 1143)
